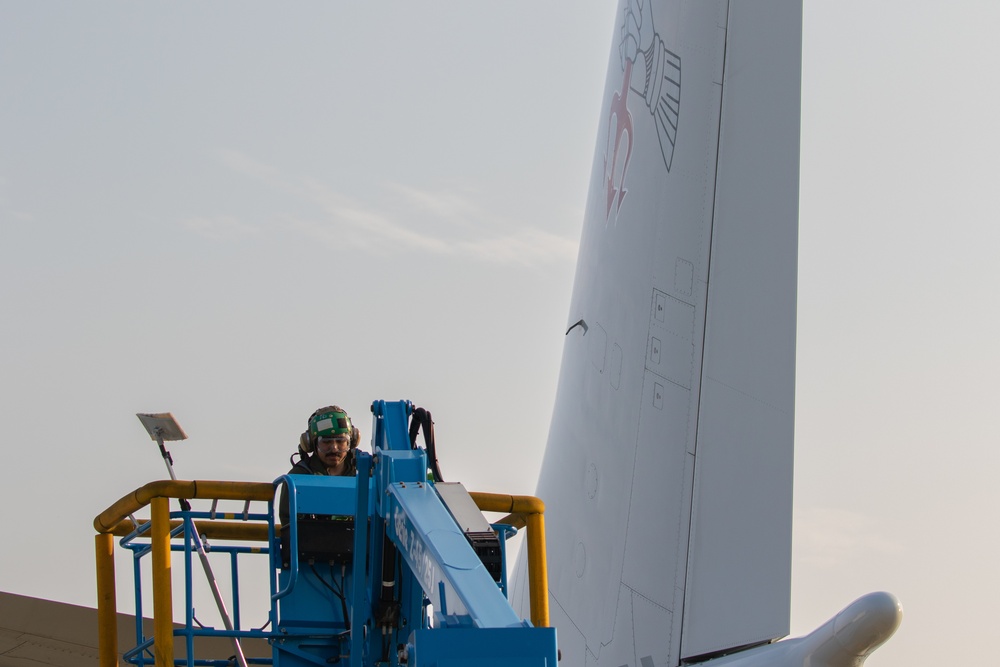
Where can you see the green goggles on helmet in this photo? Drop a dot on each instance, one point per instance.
(330, 424)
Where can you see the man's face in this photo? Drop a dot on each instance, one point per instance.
(332, 451)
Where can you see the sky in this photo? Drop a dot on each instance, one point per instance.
(239, 213)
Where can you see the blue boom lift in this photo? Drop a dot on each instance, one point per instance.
(386, 568)
(381, 554)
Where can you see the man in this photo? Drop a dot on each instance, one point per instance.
(327, 446)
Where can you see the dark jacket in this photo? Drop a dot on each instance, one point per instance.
(311, 465)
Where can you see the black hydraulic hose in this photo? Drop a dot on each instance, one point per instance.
(415, 426)
(387, 610)
(388, 570)
(422, 418)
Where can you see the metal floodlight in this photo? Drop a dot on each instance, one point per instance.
(162, 426)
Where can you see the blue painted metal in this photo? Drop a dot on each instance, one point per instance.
(321, 495)
(391, 425)
(474, 624)
(505, 532)
(440, 556)
(142, 653)
(484, 647)
(361, 596)
(188, 587)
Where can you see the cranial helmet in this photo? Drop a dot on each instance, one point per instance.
(326, 423)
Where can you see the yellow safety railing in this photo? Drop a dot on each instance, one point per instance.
(524, 511)
(114, 521)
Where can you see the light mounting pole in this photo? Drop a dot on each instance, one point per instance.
(162, 426)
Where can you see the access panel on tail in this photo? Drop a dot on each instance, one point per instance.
(668, 472)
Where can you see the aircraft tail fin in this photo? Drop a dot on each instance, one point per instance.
(668, 470)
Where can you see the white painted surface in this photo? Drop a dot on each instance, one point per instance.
(739, 569)
(625, 458)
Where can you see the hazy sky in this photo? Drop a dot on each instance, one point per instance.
(239, 212)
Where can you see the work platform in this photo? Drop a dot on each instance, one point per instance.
(378, 569)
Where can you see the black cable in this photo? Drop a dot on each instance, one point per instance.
(322, 580)
(414, 427)
(339, 594)
(422, 418)
(431, 445)
(343, 598)
(399, 587)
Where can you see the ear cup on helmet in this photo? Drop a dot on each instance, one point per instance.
(355, 437)
(306, 444)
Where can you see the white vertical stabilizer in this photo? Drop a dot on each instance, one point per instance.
(668, 471)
